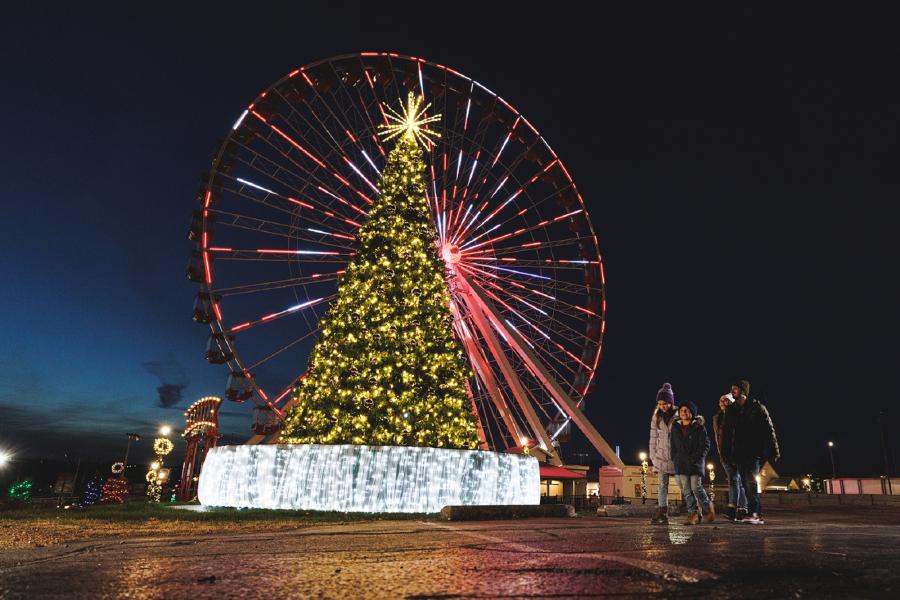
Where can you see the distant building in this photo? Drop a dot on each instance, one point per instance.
(782, 484)
(867, 485)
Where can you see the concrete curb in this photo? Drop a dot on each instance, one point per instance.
(482, 513)
(633, 510)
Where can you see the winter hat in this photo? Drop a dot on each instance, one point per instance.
(666, 393)
(744, 385)
(690, 406)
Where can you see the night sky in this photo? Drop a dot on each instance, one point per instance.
(738, 168)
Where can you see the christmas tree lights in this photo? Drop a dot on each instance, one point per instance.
(115, 490)
(387, 369)
(354, 478)
(92, 492)
(20, 491)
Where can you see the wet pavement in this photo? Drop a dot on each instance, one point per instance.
(798, 553)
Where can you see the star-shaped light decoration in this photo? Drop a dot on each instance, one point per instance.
(410, 122)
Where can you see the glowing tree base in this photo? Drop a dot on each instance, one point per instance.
(350, 478)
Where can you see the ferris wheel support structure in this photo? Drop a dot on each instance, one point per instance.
(483, 311)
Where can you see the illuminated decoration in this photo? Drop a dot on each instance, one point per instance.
(118, 468)
(409, 122)
(387, 369)
(712, 481)
(20, 491)
(200, 434)
(115, 490)
(163, 446)
(299, 171)
(157, 475)
(644, 468)
(92, 492)
(349, 478)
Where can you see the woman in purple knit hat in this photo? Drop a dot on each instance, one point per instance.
(660, 447)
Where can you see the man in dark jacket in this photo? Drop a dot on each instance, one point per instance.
(737, 500)
(748, 439)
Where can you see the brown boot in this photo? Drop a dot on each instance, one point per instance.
(662, 516)
(710, 515)
(692, 519)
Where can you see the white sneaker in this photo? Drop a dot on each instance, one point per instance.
(753, 519)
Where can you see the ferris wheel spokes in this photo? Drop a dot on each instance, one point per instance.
(481, 303)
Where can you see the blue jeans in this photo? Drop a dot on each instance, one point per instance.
(748, 473)
(694, 495)
(663, 489)
(736, 495)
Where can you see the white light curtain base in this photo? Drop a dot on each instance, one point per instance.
(349, 478)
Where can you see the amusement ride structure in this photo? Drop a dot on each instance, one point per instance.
(289, 188)
(200, 434)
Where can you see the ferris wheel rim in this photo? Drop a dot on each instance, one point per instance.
(218, 325)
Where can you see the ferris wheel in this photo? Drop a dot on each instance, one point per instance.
(290, 186)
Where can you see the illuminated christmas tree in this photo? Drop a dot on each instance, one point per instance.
(20, 491)
(92, 492)
(387, 369)
(115, 490)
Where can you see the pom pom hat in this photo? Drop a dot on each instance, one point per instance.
(666, 393)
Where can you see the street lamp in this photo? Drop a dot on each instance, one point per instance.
(132, 437)
(712, 481)
(4, 458)
(831, 454)
(644, 466)
(165, 430)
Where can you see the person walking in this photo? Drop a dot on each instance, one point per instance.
(660, 451)
(690, 445)
(737, 499)
(748, 439)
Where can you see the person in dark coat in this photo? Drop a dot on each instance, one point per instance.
(737, 499)
(748, 440)
(690, 445)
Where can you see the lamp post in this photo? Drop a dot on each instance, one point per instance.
(132, 437)
(712, 481)
(831, 454)
(157, 475)
(644, 466)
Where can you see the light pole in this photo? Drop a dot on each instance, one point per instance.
(644, 466)
(712, 481)
(132, 437)
(887, 465)
(157, 475)
(831, 454)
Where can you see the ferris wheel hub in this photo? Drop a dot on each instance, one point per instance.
(451, 254)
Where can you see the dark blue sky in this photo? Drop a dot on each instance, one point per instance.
(738, 167)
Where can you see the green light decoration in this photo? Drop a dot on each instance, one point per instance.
(387, 369)
(20, 491)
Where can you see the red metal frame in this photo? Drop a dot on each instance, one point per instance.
(200, 434)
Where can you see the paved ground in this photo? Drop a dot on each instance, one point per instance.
(804, 553)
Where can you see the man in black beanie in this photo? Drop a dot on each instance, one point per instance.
(748, 440)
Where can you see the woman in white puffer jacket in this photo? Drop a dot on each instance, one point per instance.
(660, 447)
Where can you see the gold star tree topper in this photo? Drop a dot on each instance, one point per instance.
(409, 121)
